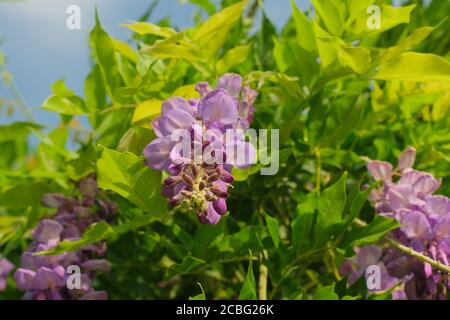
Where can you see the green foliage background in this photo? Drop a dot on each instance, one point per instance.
(339, 93)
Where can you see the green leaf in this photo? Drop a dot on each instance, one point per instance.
(371, 233)
(64, 101)
(17, 130)
(291, 84)
(241, 241)
(213, 32)
(356, 58)
(327, 51)
(206, 238)
(274, 229)
(441, 108)
(304, 29)
(125, 49)
(127, 175)
(94, 91)
(390, 16)
(135, 140)
(331, 13)
(145, 28)
(248, 290)
(326, 293)
(332, 203)
(330, 209)
(146, 111)
(188, 265)
(427, 67)
(354, 208)
(233, 57)
(136, 222)
(243, 174)
(200, 296)
(83, 165)
(417, 36)
(23, 195)
(337, 135)
(103, 51)
(302, 226)
(206, 5)
(176, 47)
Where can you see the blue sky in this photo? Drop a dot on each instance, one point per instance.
(40, 49)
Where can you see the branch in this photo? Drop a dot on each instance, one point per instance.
(262, 290)
(410, 251)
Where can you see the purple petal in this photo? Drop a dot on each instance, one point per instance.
(96, 265)
(174, 119)
(403, 196)
(177, 103)
(218, 106)
(220, 206)
(54, 200)
(210, 217)
(47, 278)
(368, 255)
(406, 159)
(441, 229)
(157, 153)
(437, 205)
(24, 279)
(47, 230)
(416, 225)
(95, 295)
(203, 88)
(232, 83)
(5, 267)
(399, 265)
(399, 295)
(88, 188)
(427, 184)
(422, 182)
(380, 170)
(249, 94)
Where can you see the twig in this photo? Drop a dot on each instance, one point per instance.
(410, 251)
(263, 272)
(318, 167)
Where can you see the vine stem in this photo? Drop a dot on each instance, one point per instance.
(318, 167)
(263, 273)
(410, 251)
(17, 95)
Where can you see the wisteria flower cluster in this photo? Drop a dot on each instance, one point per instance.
(45, 277)
(5, 268)
(211, 126)
(425, 225)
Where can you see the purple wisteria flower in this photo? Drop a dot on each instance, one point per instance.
(407, 195)
(356, 267)
(46, 277)
(209, 141)
(5, 268)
